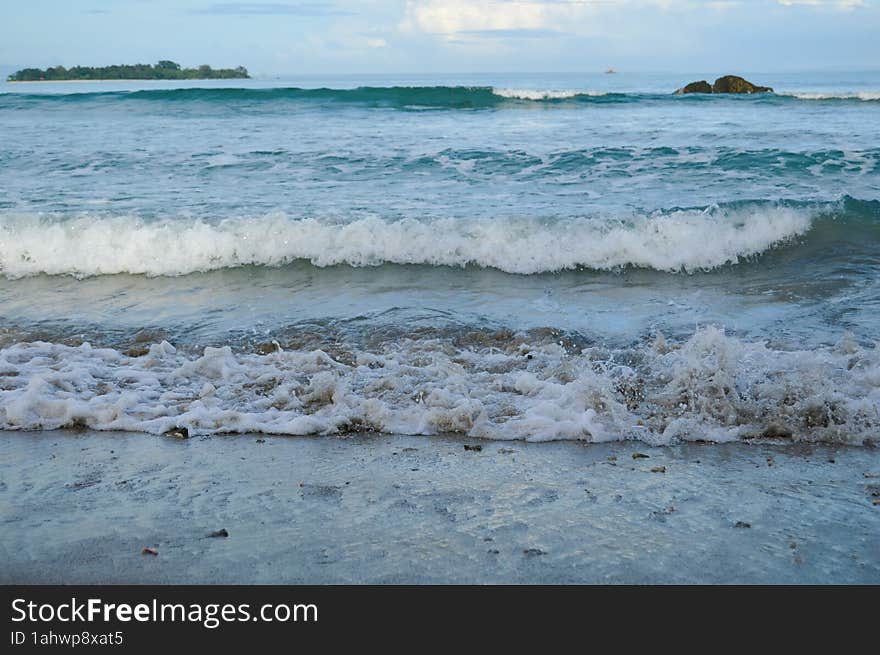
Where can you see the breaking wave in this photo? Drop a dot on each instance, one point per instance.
(867, 96)
(529, 386)
(675, 240)
(402, 97)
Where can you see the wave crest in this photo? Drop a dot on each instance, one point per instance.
(866, 96)
(438, 97)
(676, 240)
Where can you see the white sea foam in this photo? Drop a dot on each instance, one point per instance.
(91, 244)
(833, 95)
(547, 94)
(712, 387)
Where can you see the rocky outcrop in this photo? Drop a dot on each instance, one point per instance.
(726, 84)
(734, 84)
(696, 87)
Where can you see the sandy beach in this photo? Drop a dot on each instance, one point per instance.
(80, 507)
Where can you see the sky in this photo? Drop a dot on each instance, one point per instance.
(446, 36)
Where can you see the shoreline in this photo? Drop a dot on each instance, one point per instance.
(79, 507)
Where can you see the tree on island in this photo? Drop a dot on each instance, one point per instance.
(164, 70)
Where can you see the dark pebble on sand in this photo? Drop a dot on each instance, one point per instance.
(474, 448)
(742, 524)
(219, 533)
(640, 456)
(533, 552)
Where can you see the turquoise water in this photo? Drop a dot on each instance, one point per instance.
(677, 267)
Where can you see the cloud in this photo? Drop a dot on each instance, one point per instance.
(524, 18)
(274, 9)
(474, 16)
(840, 4)
(513, 34)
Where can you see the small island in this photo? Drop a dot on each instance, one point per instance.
(164, 70)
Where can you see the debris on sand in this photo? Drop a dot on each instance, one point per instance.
(641, 456)
(658, 469)
(177, 433)
(149, 551)
(742, 524)
(533, 552)
(661, 514)
(219, 533)
(137, 351)
(476, 449)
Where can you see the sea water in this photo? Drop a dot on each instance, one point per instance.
(503, 256)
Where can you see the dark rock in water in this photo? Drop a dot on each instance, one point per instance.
(726, 84)
(777, 432)
(696, 87)
(735, 84)
(177, 433)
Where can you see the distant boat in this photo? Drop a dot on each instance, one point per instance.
(611, 71)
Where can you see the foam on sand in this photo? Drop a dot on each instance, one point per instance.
(712, 387)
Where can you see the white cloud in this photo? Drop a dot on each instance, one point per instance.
(452, 16)
(842, 4)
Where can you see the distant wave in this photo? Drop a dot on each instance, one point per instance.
(448, 97)
(866, 96)
(533, 94)
(404, 97)
(676, 240)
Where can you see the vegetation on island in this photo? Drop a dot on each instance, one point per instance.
(164, 70)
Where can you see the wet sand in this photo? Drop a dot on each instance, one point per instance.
(79, 507)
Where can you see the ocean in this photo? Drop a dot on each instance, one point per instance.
(531, 257)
